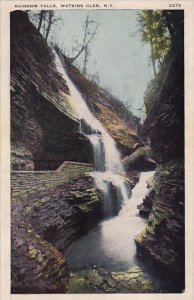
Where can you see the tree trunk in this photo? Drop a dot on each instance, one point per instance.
(85, 61)
(84, 46)
(153, 61)
(49, 24)
(41, 16)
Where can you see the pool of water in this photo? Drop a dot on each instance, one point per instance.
(110, 244)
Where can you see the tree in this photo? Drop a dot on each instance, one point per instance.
(153, 30)
(173, 28)
(41, 16)
(51, 19)
(88, 36)
(44, 20)
(86, 56)
(175, 24)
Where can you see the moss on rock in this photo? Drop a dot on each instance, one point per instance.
(162, 240)
(37, 266)
(103, 281)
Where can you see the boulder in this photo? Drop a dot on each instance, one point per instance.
(140, 160)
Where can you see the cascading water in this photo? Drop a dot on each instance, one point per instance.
(109, 172)
(111, 243)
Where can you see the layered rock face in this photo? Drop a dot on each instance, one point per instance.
(37, 266)
(71, 209)
(44, 126)
(46, 223)
(163, 239)
(106, 110)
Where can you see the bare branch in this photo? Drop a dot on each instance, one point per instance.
(85, 44)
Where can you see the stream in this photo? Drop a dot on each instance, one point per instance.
(110, 245)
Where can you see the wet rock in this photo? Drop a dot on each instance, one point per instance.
(94, 278)
(162, 242)
(103, 281)
(44, 226)
(37, 267)
(87, 129)
(111, 283)
(146, 207)
(72, 208)
(140, 160)
(77, 286)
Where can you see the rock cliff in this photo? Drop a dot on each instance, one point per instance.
(162, 241)
(44, 226)
(44, 126)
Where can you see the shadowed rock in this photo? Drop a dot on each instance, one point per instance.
(162, 242)
(140, 160)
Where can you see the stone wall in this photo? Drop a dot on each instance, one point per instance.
(27, 183)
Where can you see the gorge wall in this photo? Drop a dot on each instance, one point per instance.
(162, 241)
(44, 125)
(46, 221)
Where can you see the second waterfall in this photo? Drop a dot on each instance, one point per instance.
(108, 172)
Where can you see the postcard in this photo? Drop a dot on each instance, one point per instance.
(97, 149)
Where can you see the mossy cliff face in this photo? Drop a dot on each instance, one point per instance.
(44, 226)
(163, 239)
(44, 126)
(165, 124)
(37, 266)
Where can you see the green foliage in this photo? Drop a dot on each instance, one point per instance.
(153, 30)
(153, 88)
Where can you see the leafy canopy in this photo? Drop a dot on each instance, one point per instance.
(153, 30)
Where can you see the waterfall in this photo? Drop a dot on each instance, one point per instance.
(110, 245)
(109, 173)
